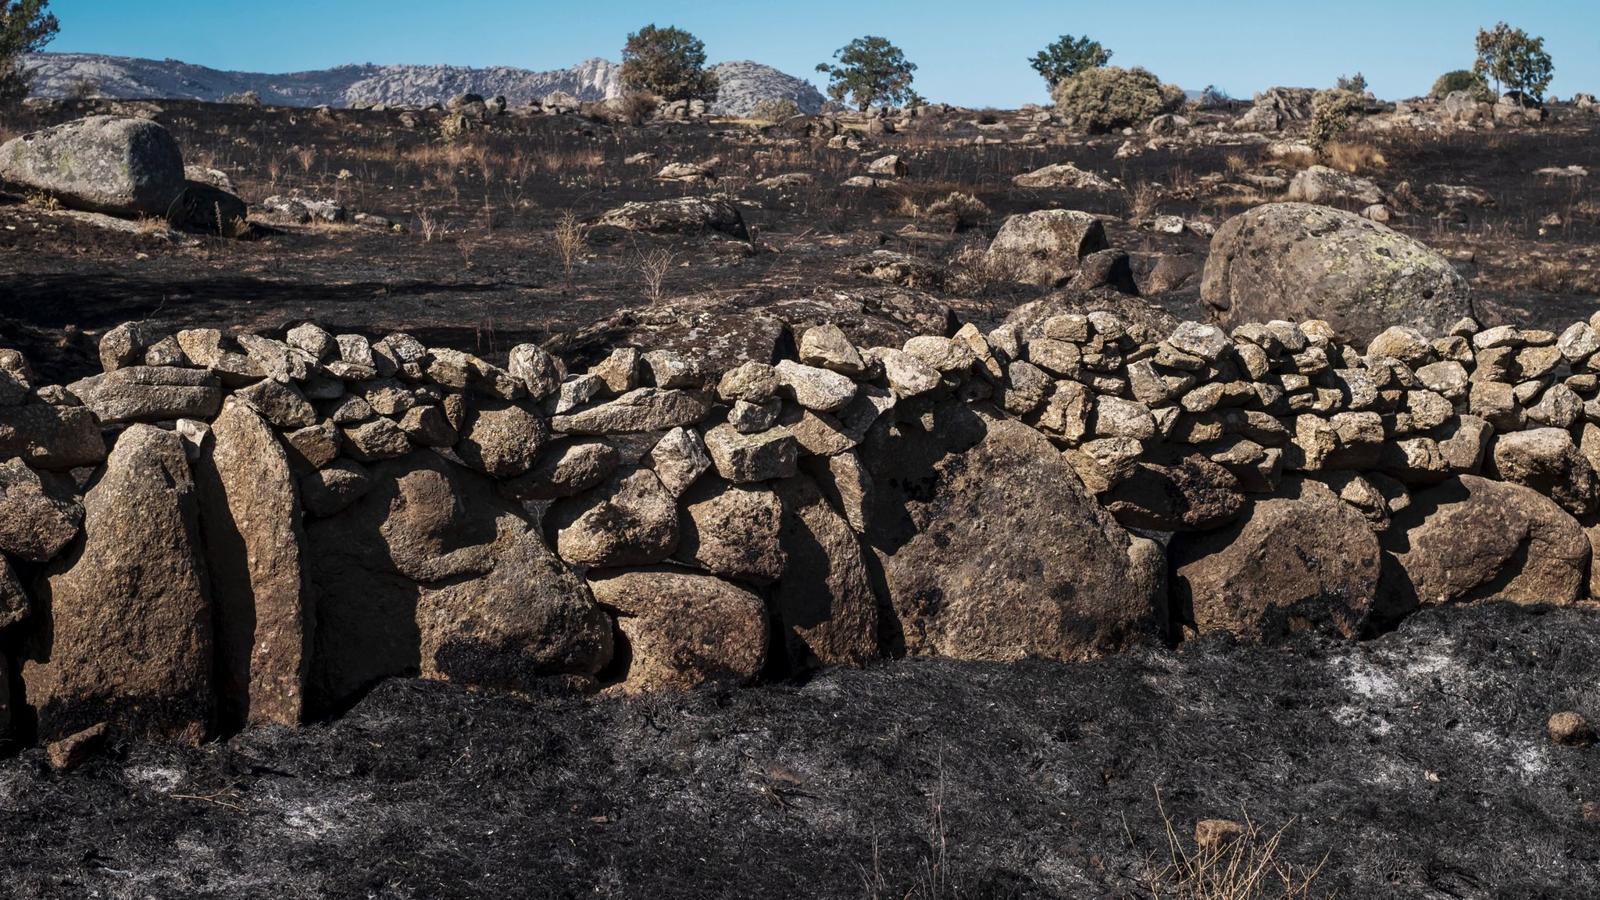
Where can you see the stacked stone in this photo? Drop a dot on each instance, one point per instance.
(279, 523)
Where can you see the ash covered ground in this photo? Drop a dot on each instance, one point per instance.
(1415, 764)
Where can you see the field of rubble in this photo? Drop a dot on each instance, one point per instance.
(933, 504)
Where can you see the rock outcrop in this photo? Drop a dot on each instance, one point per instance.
(126, 617)
(1297, 261)
(109, 164)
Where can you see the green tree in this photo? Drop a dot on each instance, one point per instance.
(1067, 57)
(1513, 59)
(25, 27)
(669, 63)
(871, 71)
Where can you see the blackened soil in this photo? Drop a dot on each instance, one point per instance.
(1415, 765)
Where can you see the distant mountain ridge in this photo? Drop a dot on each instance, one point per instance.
(744, 84)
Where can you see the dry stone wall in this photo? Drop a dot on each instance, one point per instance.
(221, 531)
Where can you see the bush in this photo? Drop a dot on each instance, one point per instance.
(1331, 112)
(775, 109)
(668, 62)
(1107, 98)
(958, 210)
(636, 108)
(1459, 80)
(25, 27)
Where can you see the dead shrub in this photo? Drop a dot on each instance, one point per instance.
(1144, 199)
(570, 235)
(958, 210)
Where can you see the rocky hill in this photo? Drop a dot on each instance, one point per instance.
(745, 83)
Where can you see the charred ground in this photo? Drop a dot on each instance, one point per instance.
(477, 265)
(1413, 765)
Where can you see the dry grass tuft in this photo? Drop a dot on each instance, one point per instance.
(1244, 865)
(570, 235)
(1356, 158)
(1144, 199)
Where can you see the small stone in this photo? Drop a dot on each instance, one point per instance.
(1570, 729)
(376, 439)
(671, 369)
(907, 375)
(816, 389)
(313, 340)
(944, 354)
(679, 459)
(78, 748)
(314, 446)
(538, 371)
(619, 371)
(752, 382)
(741, 458)
(826, 346)
(1205, 341)
(749, 418)
(331, 490)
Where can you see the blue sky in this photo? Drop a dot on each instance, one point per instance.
(971, 52)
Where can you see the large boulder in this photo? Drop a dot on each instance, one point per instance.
(126, 629)
(680, 215)
(1299, 560)
(434, 573)
(1297, 261)
(1321, 184)
(1275, 108)
(255, 548)
(824, 603)
(1472, 539)
(681, 629)
(1044, 247)
(108, 164)
(991, 548)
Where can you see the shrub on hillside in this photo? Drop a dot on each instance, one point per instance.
(1107, 98)
(775, 109)
(637, 108)
(957, 211)
(1331, 114)
(1459, 80)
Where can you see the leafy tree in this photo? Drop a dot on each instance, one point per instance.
(871, 71)
(669, 63)
(1513, 59)
(1067, 57)
(1459, 80)
(25, 27)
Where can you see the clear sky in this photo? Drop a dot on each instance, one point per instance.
(970, 52)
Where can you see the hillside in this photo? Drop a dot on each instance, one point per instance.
(745, 83)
